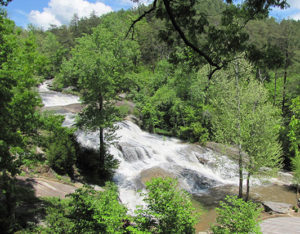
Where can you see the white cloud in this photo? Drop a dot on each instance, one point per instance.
(135, 4)
(293, 12)
(296, 16)
(43, 19)
(61, 12)
(294, 4)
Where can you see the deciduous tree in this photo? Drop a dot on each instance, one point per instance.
(243, 117)
(99, 62)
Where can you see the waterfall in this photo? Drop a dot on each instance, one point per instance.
(143, 155)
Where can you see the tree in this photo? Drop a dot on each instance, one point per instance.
(224, 38)
(4, 2)
(59, 143)
(243, 117)
(169, 210)
(99, 62)
(18, 119)
(294, 136)
(287, 44)
(237, 216)
(296, 172)
(53, 53)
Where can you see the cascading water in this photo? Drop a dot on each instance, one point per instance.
(51, 98)
(142, 154)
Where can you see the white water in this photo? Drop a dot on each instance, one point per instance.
(196, 168)
(51, 98)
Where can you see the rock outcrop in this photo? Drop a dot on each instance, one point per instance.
(276, 207)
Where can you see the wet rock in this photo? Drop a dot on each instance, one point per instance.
(133, 119)
(276, 207)
(154, 172)
(68, 89)
(196, 181)
(203, 161)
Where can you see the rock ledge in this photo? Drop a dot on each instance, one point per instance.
(276, 207)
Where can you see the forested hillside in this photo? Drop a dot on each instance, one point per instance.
(202, 71)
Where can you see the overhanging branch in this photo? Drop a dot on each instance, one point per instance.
(184, 38)
(141, 17)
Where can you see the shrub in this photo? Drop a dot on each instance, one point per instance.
(87, 211)
(59, 143)
(237, 216)
(169, 209)
(61, 153)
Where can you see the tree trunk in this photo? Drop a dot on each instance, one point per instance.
(275, 88)
(101, 136)
(240, 172)
(239, 131)
(297, 197)
(248, 187)
(102, 147)
(284, 82)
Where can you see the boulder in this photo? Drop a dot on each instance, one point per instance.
(276, 207)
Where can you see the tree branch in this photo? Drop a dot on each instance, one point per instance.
(184, 38)
(140, 18)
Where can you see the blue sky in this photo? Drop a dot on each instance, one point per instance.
(45, 12)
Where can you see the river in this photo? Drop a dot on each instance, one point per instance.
(205, 174)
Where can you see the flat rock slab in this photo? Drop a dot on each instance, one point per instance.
(281, 225)
(277, 207)
(47, 188)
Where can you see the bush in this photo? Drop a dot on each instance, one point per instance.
(237, 216)
(89, 164)
(87, 211)
(61, 153)
(169, 209)
(59, 143)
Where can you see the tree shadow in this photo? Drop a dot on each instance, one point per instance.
(30, 210)
(90, 169)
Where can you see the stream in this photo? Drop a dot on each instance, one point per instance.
(205, 174)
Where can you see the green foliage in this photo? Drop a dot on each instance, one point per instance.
(59, 142)
(18, 119)
(169, 209)
(237, 216)
(61, 154)
(296, 169)
(53, 53)
(87, 211)
(294, 136)
(98, 64)
(172, 99)
(243, 117)
(294, 126)
(124, 110)
(90, 168)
